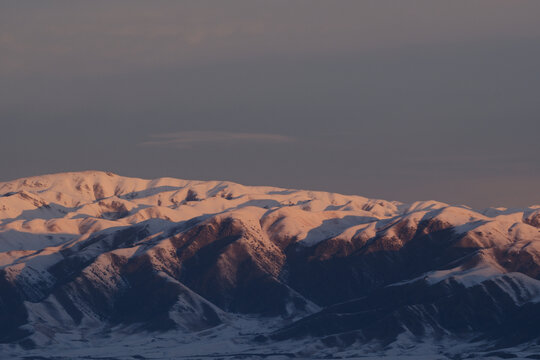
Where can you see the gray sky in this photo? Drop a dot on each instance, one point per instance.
(401, 100)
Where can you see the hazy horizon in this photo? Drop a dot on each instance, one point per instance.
(395, 100)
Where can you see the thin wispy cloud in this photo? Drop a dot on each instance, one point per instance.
(190, 138)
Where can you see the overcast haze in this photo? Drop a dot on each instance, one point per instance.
(400, 100)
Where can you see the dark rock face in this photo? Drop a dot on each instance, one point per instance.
(533, 219)
(231, 264)
(13, 314)
(323, 274)
(446, 307)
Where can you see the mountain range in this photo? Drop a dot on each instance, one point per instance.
(98, 266)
